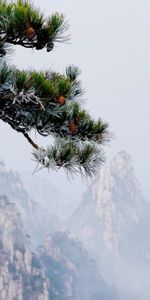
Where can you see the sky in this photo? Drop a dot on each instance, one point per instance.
(110, 43)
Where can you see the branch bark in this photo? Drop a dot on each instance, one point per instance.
(35, 146)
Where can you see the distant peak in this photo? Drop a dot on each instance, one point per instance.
(124, 155)
(122, 158)
(122, 164)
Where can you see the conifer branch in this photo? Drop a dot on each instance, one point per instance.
(35, 146)
(23, 24)
(47, 102)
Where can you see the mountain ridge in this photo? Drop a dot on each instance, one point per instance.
(113, 224)
(51, 271)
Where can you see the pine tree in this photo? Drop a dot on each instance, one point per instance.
(47, 102)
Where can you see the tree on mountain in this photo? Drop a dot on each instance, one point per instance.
(47, 102)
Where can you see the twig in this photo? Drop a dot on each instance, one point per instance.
(35, 146)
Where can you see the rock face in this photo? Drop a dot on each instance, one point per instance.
(113, 222)
(59, 269)
(75, 274)
(34, 217)
(19, 279)
(112, 208)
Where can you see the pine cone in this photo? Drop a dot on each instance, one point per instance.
(30, 32)
(61, 100)
(72, 128)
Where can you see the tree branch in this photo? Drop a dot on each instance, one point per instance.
(35, 146)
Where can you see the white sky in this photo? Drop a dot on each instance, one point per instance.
(110, 42)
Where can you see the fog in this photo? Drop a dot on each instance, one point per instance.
(110, 44)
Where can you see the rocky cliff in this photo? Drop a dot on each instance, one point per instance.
(19, 279)
(113, 222)
(35, 218)
(59, 269)
(76, 275)
(113, 209)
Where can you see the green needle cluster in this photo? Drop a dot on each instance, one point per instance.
(47, 102)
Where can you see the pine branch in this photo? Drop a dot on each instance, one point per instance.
(83, 159)
(35, 146)
(47, 102)
(44, 101)
(22, 24)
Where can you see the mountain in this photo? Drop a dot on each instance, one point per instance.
(19, 279)
(51, 195)
(59, 269)
(76, 275)
(113, 222)
(35, 218)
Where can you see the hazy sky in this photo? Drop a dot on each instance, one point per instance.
(110, 42)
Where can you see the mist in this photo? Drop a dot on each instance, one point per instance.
(104, 219)
(110, 44)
